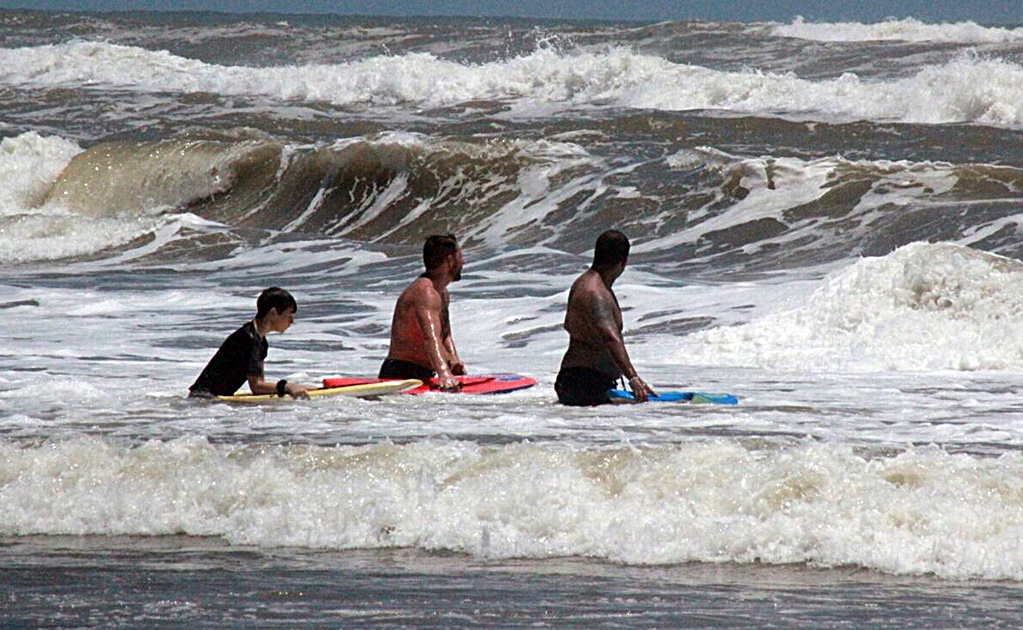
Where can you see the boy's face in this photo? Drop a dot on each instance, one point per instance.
(280, 321)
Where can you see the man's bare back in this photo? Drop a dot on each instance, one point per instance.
(592, 317)
(596, 355)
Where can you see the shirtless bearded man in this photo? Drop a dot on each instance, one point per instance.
(421, 343)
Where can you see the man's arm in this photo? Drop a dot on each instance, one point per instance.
(428, 307)
(457, 367)
(602, 320)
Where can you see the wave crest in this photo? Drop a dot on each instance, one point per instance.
(905, 30)
(969, 89)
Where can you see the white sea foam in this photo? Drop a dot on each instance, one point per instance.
(922, 511)
(922, 307)
(29, 164)
(907, 30)
(969, 89)
(31, 230)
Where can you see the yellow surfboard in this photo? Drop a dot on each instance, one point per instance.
(368, 390)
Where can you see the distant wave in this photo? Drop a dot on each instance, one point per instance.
(968, 89)
(906, 30)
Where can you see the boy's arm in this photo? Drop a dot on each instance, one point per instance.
(258, 383)
(259, 386)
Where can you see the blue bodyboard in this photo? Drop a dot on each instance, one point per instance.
(624, 396)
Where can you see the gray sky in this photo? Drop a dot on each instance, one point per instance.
(1001, 12)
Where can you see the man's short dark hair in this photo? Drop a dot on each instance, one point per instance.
(438, 247)
(612, 248)
(275, 298)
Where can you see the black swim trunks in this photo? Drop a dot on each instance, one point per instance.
(396, 368)
(240, 356)
(583, 387)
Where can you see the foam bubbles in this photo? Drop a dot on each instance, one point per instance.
(31, 230)
(920, 511)
(922, 307)
(29, 164)
(56, 233)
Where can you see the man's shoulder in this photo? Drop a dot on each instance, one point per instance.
(421, 289)
(590, 285)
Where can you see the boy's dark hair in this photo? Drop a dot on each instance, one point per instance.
(612, 248)
(438, 247)
(275, 297)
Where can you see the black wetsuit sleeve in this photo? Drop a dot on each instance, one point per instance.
(256, 353)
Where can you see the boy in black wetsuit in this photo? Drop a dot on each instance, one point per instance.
(240, 358)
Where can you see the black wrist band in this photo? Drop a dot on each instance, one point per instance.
(282, 386)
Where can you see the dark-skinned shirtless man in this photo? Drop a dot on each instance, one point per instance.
(596, 357)
(421, 343)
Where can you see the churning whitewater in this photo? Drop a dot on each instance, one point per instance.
(825, 222)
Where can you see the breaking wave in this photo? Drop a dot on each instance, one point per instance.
(923, 307)
(921, 511)
(905, 30)
(968, 89)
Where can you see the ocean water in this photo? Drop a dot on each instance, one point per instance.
(826, 222)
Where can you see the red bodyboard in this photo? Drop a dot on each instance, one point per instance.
(471, 384)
